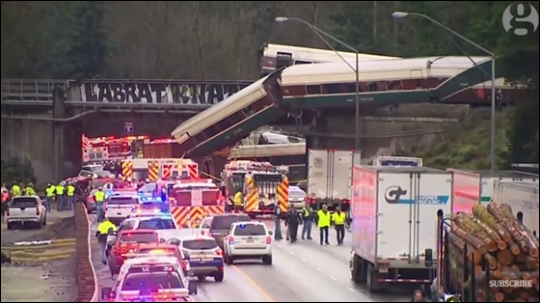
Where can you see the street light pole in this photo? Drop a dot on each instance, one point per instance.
(356, 69)
(493, 76)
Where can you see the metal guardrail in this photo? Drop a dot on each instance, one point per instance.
(30, 90)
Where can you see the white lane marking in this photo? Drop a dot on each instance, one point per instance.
(318, 269)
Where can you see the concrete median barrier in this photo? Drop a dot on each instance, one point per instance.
(85, 273)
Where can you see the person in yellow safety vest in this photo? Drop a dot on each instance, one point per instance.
(307, 218)
(70, 196)
(15, 190)
(238, 201)
(104, 229)
(50, 193)
(29, 190)
(452, 298)
(60, 199)
(338, 218)
(99, 198)
(323, 222)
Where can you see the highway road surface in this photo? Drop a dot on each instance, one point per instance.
(302, 272)
(40, 274)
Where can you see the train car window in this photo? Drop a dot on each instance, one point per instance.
(373, 87)
(248, 111)
(351, 88)
(313, 89)
(302, 62)
(332, 88)
(283, 60)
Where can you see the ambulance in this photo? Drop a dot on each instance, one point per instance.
(264, 186)
(195, 199)
(159, 169)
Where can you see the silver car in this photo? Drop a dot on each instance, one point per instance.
(297, 197)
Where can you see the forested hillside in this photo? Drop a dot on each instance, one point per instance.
(220, 40)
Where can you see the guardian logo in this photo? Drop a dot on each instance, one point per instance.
(398, 195)
(393, 194)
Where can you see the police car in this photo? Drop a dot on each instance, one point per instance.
(152, 205)
(248, 240)
(150, 279)
(119, 207)
(205, 257)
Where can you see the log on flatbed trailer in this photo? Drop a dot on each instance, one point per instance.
(490, 256)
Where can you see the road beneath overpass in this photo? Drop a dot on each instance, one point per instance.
(301, 272)
(156, 107)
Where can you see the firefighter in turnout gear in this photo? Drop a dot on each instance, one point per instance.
(238, 201)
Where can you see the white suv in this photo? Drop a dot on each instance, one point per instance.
(26, 210)
(248, 240)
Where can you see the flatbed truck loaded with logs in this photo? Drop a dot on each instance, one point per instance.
(487, 255)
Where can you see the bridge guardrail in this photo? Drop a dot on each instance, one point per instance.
(87, 284)
(35, 90)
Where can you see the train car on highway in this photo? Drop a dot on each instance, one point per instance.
(276, 56)
(227, 122)
(330, 85)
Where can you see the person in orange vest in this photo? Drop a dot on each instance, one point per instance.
(5, 199)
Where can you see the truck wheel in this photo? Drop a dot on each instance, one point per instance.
(228, 260)
(371, 278)
(218, 277)
(358, 270)
(267, 260)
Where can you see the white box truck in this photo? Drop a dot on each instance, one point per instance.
(522, 198)
(398, 161)
(330, 177)
(396, 211)
(489, 178)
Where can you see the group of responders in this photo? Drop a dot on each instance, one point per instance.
(511, 283)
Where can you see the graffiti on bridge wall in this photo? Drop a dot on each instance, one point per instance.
(158, 92)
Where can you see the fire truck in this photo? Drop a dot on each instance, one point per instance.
(194, 199)
(108, 148)
(263, 186)
(159, 169)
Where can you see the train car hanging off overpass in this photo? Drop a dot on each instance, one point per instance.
(276, 56)
(327, 85)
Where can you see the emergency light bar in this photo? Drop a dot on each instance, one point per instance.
(160, 294)
(146, 199)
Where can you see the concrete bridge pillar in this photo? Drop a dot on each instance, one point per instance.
(59, 110)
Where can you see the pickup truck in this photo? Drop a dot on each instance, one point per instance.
(25, 211)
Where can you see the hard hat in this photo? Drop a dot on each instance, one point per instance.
(100, 188)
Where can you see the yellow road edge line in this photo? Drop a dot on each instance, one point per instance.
(36, 247)
(15, 254)
(254, 284)
(29, 260)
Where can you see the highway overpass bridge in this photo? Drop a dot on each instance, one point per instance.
(43, 120)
